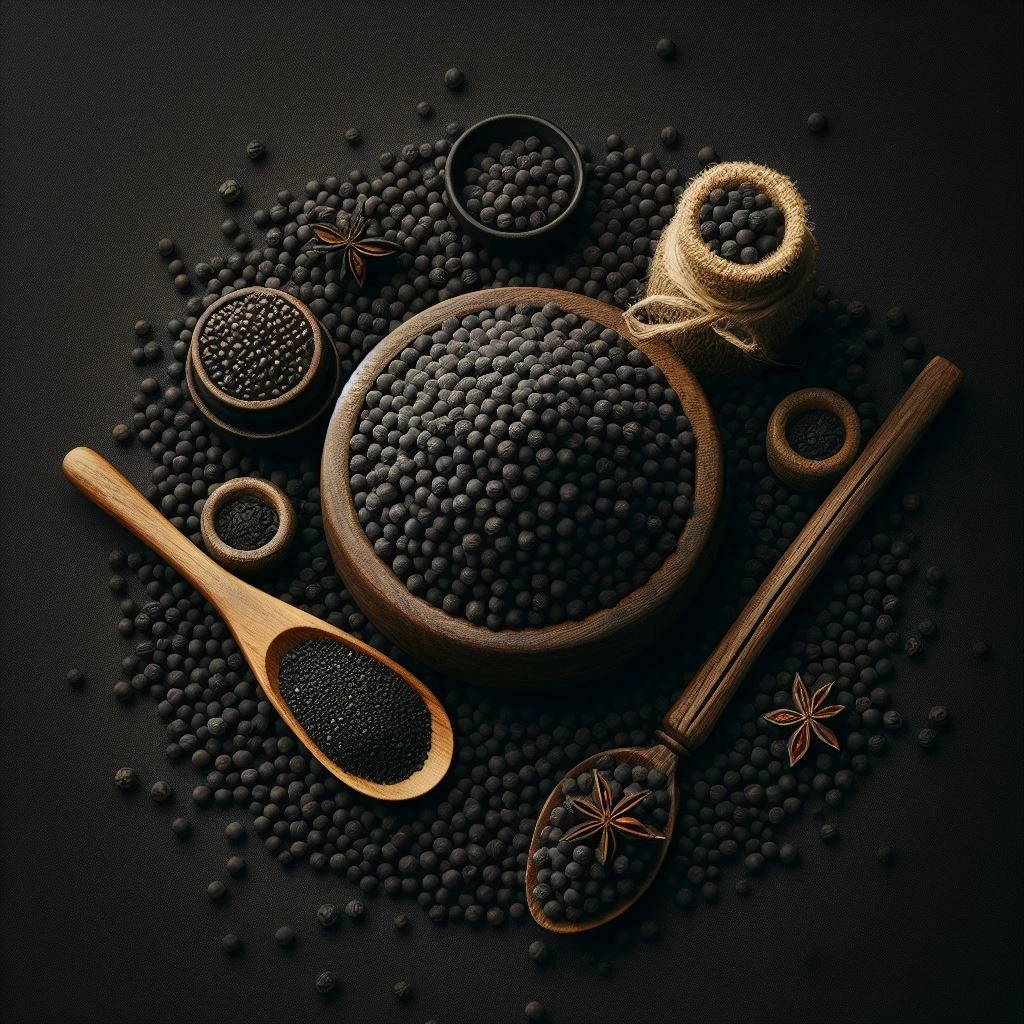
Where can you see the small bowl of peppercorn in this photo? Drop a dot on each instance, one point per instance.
(260, 367)
(514, 178)
(247, 525)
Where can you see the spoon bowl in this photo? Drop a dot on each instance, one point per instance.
(263, 627)
(658, 756)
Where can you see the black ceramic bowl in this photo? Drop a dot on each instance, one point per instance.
(504, 128)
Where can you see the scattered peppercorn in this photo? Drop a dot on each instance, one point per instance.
(235, 866)
(829, 833)
(230, 192)
(161, 792)
(285, 936)
(76, 678)
(181, 827)
(538, 952)
(255, 151)
(234, 832)
(424, 109)
(216, 890)
(326, 983)
(534, 1011)
(232, 944)
(885, 855)
(355, 910)
(353, 136)
(122, 433)
(669, 136)
(328, 915)
(980, 650)
(817, 123)
(665, 48)
(454, 79)
(125, 779)
(927, 738)
(707, 155)
(938, 717)
(400, 923)
(403, 991)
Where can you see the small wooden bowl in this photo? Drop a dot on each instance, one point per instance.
(796, 470)
(255, 560)
(524, 657)
(278, 418)
(504, 128)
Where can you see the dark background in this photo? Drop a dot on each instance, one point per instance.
(118, 123)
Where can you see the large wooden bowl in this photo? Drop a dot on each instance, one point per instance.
(522, 657)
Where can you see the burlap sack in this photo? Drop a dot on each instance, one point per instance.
(725, 318)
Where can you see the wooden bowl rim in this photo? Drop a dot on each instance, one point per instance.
(455, 200)
(266, 405)
(788, 462)
(242, 559)
(354, 553)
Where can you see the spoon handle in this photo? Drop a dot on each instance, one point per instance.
(106, 487)
(692, 717)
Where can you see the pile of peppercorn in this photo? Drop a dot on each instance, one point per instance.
(741, 224)
(518, 187)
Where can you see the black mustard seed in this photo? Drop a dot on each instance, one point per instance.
(815, 433)
(360, 713)
(246, 523)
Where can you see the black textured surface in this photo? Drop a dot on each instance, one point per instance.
(118, 125)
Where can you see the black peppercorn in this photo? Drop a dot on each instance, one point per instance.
(669, 136)
(665, 48)
(885, 855)
(538, 952)
(534, 1011)
(424, 109)
(403, 991)
(400, 923)
(328, 915)
(230, 192)
(234, 832)
(355, 910)
(938, 717)
(181, 827)
(125, 779)
(980, 650)
(927, 738)
(285, 936)
(353, 136)
(76, 678)
(326, 982)
(255, 151)
(161, 792)
(817, 123)
(232, 944)
(122, 433)
(216, 890)
(829, 832)
(454, 79)
(235, 866)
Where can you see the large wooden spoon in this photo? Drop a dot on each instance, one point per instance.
(689, 721)
(263, 627)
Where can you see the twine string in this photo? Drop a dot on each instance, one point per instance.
(693, 306)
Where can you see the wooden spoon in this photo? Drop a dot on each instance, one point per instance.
(689, 721)
(263, 627)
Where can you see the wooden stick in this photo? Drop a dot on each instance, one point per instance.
(692, 717)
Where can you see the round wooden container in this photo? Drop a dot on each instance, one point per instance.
(248, 561)
(795, 469)
(525, 657)
(278, 418)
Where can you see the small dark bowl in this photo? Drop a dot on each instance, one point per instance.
(504, 128)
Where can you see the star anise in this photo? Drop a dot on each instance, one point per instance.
(806, 716)
(601, 815)
(349, 236)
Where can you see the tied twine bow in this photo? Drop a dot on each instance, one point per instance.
(693, 306)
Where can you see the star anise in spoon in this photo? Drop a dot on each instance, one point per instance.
(806, 716)
(349, 237)
(601, 815)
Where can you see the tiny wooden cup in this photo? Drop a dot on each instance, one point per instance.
(274, 419)
(256, 560)
(796, 470)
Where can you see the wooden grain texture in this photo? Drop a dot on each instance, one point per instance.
(692, 717)
(659, 757)
(263, 626)
(526, 657)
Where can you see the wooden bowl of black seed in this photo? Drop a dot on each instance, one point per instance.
(260, 367)
(514, 179)
(516, 495)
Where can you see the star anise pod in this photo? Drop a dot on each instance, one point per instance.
(806, 716)
(601, 815)
(349, 237)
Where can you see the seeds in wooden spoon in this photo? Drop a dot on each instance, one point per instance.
(572, 881)
(363, 716)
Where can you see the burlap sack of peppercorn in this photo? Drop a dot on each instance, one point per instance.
(724, 318)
